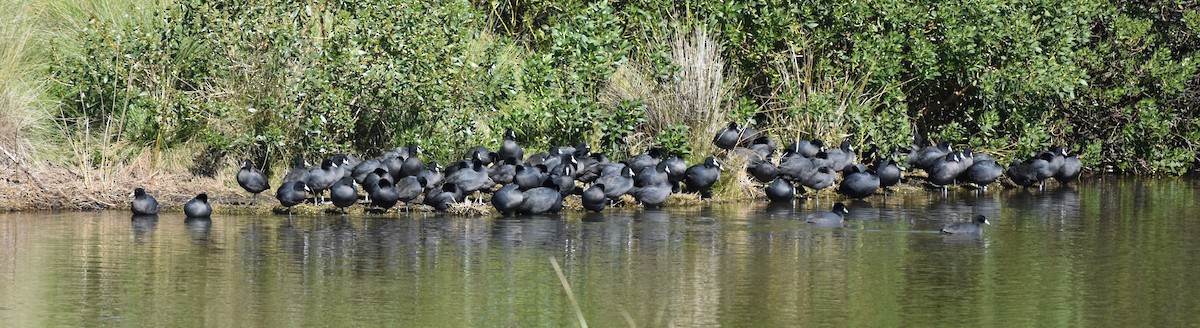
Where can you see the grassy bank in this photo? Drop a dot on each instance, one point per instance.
(101, 96)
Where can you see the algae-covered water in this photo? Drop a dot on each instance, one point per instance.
(1111, 252)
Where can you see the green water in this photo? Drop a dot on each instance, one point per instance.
(1112, 252)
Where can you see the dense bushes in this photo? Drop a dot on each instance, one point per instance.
(1115, 81)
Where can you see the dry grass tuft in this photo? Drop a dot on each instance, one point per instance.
(735, 183)
(699, 96)
(470, 209)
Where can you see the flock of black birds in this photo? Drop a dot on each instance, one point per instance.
(540, 182)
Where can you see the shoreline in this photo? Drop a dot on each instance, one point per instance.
(71, 192)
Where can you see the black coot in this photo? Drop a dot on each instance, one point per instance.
(762, 170)
(508, 199)
(795, 168)
(410, 167)
(642, 161)
(820, 178)
(780, 191)
(384, 195)
(432, 174)
(482, 153)
(510, 147)
(1025, 173)
(343, 193)
(364, 169)
(594, 199)
(198, 207)
(807, 148)
(252, 180)
(540, 200)
(973, 227)
(764, 146)
(924, 157)
(652, 196)
(372, 180)
(443, 198)
(617, 184)
(292, 193)
(982, 173)
(528, 177)
(943, 172)
(701, 177)
(471, 180)
(888, 172)
(410, 188)
(832, 218)
(841, 156)
(859, 184)
(504, 172)
(143, 203)
(1070, 169)
(727, 138)
(299, 170)
(1055, 157)
(322, 178)
(678, 168)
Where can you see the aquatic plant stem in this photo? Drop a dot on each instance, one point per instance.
(570, 295)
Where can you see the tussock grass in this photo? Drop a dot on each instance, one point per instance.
(735, 183)
(699, 96)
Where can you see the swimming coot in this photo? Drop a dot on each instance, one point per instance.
(143, 203)
(252, 180)
(973, 227)
(198, 207)
(831, 219)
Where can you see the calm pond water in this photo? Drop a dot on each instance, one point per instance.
(1112, 252)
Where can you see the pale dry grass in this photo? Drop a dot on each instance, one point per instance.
(699, 96)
